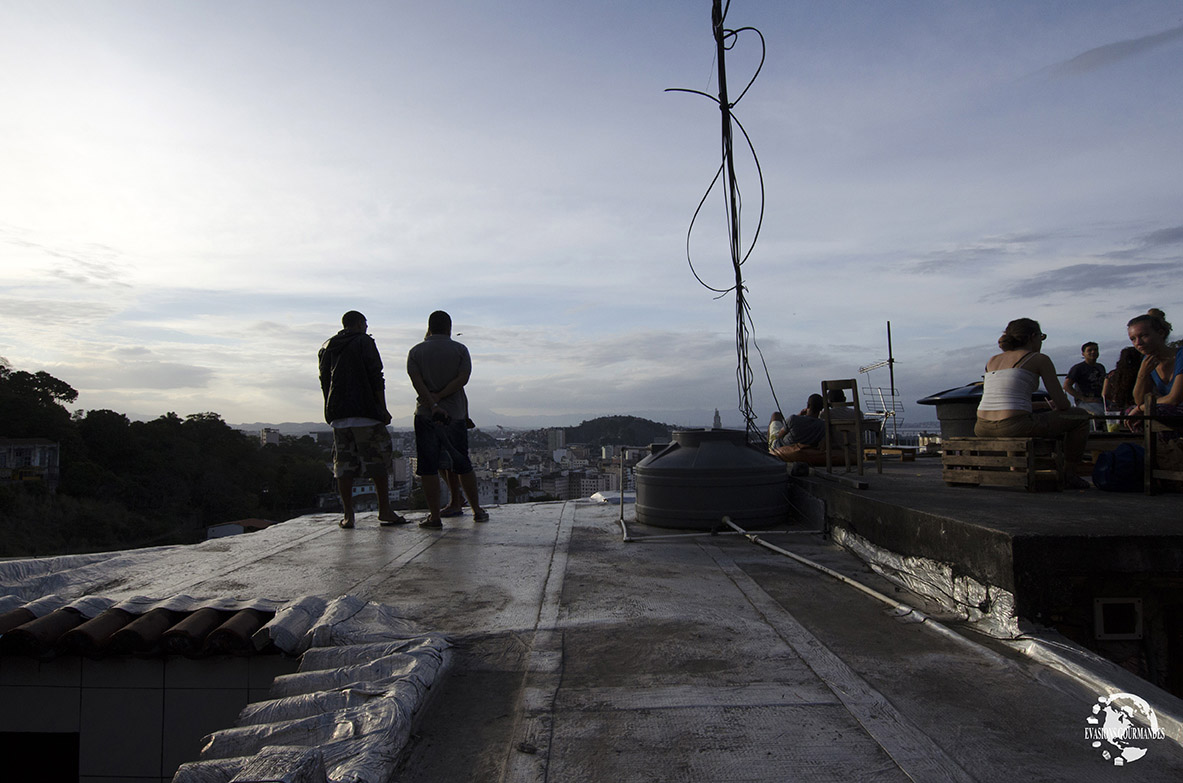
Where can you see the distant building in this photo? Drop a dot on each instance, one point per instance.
(29, 459)
(556, 439)
(269, 436)
(718, 421)
(492, 490)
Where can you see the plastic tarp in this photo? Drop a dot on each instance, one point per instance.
(990, 608)
(312, 621)
(34, 578)
(365, 673)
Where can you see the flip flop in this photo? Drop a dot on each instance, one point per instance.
(455, 512)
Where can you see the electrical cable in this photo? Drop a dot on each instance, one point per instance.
(726, 40)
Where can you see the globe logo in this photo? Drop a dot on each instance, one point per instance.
(1119, 727)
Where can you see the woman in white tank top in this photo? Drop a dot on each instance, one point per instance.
(1006, 407)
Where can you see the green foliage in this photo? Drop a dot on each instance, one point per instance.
(30, 405)
(126, 483)
(618, 431)
(35, 523)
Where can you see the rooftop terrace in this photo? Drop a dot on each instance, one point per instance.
(578, 656)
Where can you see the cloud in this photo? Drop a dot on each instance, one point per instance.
(134, 375)
(1110, 54)
(88, 263)
(975, 254)
(1164, 236)
(1149, 244)
(21, 312)
(1091, 278)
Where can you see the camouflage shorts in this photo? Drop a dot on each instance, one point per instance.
(361, 451)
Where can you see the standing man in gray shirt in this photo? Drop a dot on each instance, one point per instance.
(439, 368)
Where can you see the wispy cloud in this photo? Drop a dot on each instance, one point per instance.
(126, 373)
(1110, 54)
(1152, 243)
(17, 314)
(90, 263)
(1164, 236)
(1092, 277)
(958, 258)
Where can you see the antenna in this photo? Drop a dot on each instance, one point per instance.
(725, 39)
(889, 403)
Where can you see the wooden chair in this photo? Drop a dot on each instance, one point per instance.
(1155, 471)
(845, 427)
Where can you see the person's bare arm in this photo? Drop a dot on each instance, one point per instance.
(1070, 388)
(1047, 372)
(1143, 384)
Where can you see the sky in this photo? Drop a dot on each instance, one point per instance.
(193, 193)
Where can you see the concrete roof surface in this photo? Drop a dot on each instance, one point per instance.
(580, 657)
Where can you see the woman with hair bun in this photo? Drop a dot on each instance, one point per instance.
(1011, 377)
(1161, 373)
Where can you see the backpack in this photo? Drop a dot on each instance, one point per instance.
(1120, 470)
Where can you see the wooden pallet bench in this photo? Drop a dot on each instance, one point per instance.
(1031, 463)
(907, 453)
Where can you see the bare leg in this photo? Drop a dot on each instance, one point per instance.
(345, 490)
(455, 502)
(468, 480)
(431, 492)
(385, 512)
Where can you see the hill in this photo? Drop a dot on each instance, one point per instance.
(618, 431)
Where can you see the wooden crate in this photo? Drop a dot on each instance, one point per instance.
(1031, 463)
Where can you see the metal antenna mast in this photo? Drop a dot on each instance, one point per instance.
(888, 409)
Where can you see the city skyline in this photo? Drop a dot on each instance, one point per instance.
(195, 193)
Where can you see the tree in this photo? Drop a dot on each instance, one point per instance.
(126, 483)
(30, 404)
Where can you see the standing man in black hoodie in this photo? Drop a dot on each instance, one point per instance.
(355, 407)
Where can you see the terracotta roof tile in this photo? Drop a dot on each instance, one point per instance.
(117, 631)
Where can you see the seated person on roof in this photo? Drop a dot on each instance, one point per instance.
(1118, 389)
(775, 427)
(1085, 381)
(805, 428)
(1011, 377)
(1161, 373)
(800, 438)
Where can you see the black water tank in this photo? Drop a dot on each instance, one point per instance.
(705, 475)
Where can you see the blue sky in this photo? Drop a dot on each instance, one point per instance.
(194, 192)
